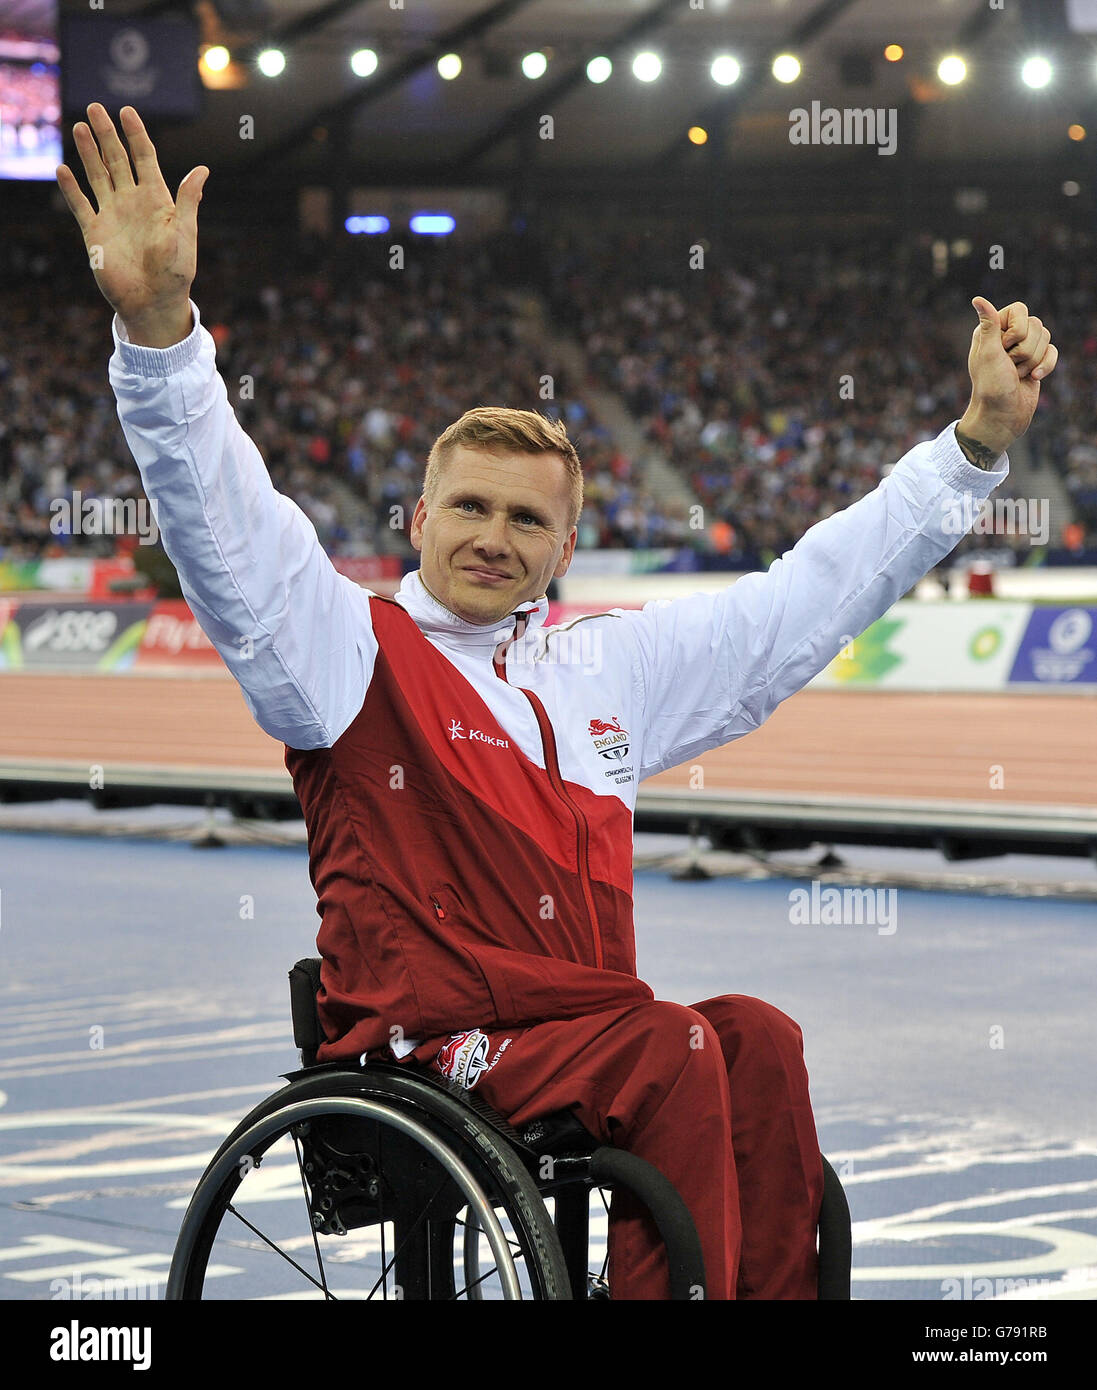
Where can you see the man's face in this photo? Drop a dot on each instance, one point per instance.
(496, 532)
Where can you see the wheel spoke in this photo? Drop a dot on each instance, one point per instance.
(605, 1262)
(312, 1226)
(381, 1208)
(475, 1283)
(515, 1246)
(430, 1180)
(516, 1251)
(414, 1227)
(277, 1249)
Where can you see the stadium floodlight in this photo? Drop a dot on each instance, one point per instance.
(271, 62)
(432, 223)
(786, 67)
(646, 67)
(363, 62)
(216, 58)
(951, 70)
(598, 69)
(725, 70)
(534, 65)
(449, 66)
(366, 225)
(1036, 72)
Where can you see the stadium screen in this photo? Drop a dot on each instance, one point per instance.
(30, 91)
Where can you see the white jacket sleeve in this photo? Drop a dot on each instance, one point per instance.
(713, 667)
(294, 632)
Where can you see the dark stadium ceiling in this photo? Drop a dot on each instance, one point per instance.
(404, 123)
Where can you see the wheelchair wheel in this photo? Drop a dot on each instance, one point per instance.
(366, 1185)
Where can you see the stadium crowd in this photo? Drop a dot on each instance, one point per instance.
(341, 372)
(776, 386)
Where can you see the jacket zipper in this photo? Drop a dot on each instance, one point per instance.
(582, 827)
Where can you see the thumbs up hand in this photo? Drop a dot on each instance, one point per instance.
(1011, 353)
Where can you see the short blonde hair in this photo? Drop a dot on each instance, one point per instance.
(499, 429)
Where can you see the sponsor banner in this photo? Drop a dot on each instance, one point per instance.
(18, 575)
(83, 575)
(103, 578)
(67, 574)
(62, 575)
(119, 578)
(915, 646)
(73, 635)
(9, 633)
(1059, 647)
(170, 634)
(931, 646)
(172, 637)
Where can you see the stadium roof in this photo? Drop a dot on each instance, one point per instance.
(405, 123)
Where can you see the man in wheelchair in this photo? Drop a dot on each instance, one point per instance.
(468, 779)
(468, 776)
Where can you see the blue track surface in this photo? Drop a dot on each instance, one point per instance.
(145, 1010)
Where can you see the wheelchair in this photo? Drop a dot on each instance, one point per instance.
(389, 1181)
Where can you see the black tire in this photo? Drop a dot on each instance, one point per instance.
(441, 1144)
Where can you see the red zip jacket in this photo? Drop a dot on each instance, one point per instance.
(470, 835)
(459, 880)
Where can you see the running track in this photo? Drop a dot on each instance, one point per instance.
(840, 743)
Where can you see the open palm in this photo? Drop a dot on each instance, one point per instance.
(142, 244)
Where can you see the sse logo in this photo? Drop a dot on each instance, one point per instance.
(71, 630)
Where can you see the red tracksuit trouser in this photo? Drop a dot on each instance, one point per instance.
(716, 1097)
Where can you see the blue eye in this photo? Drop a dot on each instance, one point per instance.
(526, 518)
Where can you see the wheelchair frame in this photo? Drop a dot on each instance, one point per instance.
(453, 1153)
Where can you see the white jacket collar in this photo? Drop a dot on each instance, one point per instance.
(435, 617)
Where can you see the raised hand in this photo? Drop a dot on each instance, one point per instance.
(1011, 353)
(142, 245)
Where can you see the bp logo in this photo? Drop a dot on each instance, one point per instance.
(985, 643)
(464, 1058)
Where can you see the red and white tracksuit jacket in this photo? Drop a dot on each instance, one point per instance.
(469, 790)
